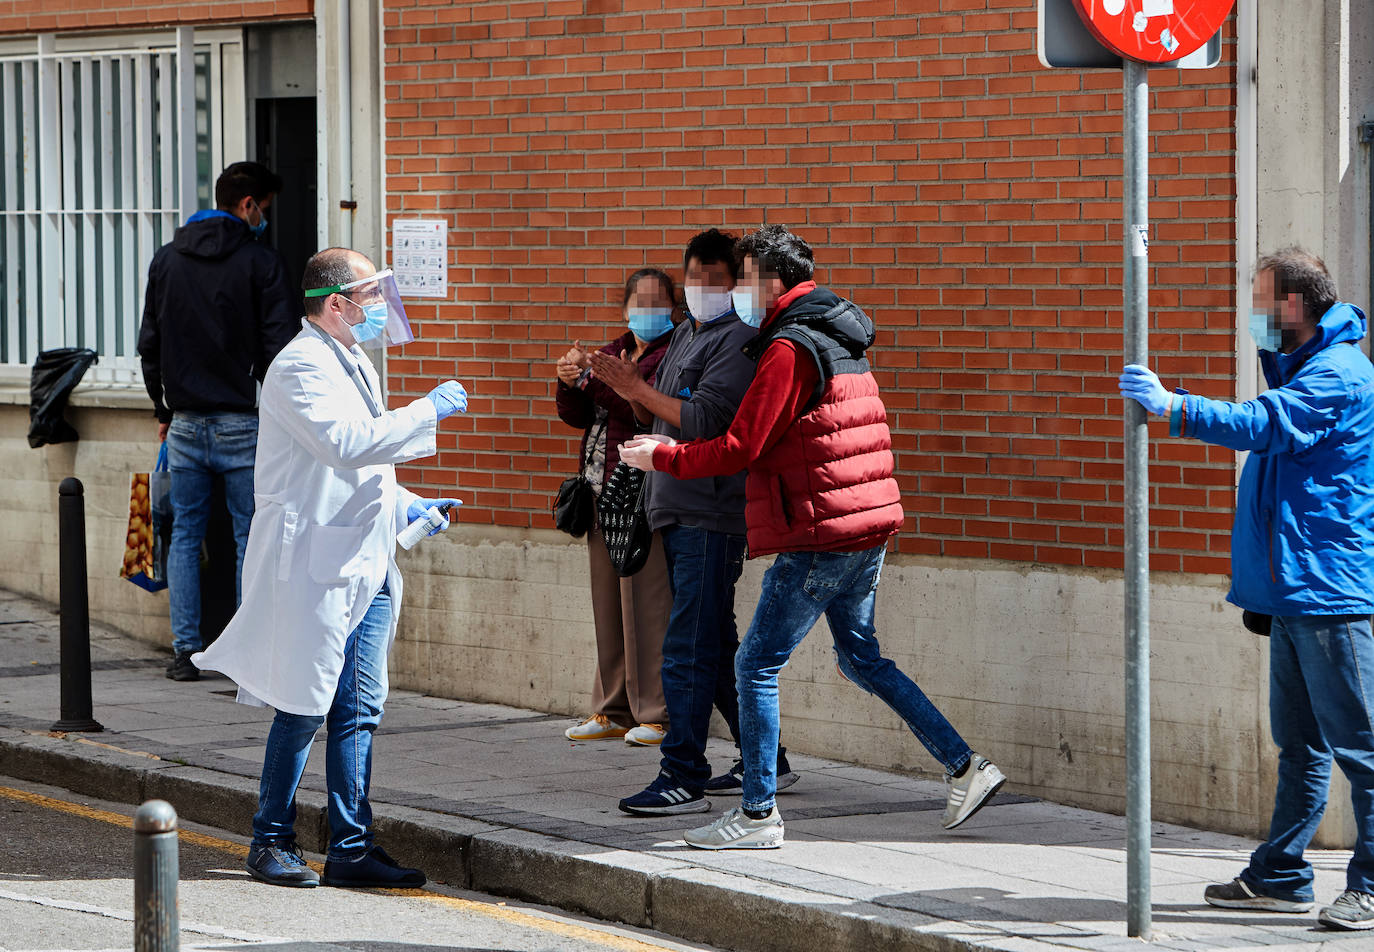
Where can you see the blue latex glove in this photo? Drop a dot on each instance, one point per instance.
(419, 507)
(448, 398)
(1140, 384)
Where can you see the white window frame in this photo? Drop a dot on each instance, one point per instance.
(92, 236)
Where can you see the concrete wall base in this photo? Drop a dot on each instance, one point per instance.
(1026, 661)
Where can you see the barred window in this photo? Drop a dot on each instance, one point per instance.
(107, 144)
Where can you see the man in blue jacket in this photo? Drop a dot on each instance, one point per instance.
(1302, 551)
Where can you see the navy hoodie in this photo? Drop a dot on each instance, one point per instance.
(218, 309)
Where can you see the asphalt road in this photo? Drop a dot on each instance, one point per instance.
(66, 883)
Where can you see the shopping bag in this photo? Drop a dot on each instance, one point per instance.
(150, 527)
(624, 524)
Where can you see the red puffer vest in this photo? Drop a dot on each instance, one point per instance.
(827, 484)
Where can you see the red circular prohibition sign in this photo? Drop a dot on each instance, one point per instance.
(1153, 31)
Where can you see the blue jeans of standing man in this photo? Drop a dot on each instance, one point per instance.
(699, 646)
(199, 447)
(352, 720)
(1321, 675)
(797, 590)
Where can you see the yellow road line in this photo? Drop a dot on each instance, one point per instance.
(119, 819)
(567, 930)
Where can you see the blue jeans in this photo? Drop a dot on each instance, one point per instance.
(1321, 693)
(797, 589)
(199, 447)
(354, 716)
(699, 646)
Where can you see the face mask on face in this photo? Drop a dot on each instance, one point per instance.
(261, 226)
(749, 312)
(1264, 331)
(650, 323)
(374, 321)
(707, 304)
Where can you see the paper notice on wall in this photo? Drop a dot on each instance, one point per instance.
(419, 256)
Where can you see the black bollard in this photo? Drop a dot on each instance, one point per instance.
(75, 610)
(155, 878)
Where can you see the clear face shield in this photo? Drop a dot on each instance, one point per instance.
(378, 316)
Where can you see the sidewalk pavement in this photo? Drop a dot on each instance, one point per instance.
(495, 799)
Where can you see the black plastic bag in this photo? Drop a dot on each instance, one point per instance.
(55, 375)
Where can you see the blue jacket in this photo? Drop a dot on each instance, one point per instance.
(1303, 542)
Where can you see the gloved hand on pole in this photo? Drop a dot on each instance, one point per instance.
(1141, 384)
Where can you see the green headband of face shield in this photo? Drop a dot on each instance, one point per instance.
(384, 316)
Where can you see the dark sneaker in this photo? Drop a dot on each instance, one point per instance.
(1238, 894)
(1351, 910)
(374, 870)
(281, 865)
(664, 797)
(732, 781)
(180, 667)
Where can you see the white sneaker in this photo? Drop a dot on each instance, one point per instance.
(596, 727)
(645, 735)
(735, 831)
(968, 794)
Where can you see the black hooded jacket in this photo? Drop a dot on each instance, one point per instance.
(219, 307)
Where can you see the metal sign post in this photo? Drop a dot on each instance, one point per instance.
(1134, 35)
(1135, 319)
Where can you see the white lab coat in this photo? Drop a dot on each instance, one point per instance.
(323, 536)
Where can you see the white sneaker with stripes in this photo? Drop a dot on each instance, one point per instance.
(971, 792)
(736, 831)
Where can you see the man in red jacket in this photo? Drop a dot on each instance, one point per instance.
(812, 432)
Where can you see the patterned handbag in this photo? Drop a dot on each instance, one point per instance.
(624, 523)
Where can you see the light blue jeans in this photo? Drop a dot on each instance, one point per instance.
(1321, 693)
(199, 447)
(797, 590)
(352, 720)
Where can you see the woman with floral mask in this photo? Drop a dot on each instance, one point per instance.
(630, 614)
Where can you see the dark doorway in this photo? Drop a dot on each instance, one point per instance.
(286, 145)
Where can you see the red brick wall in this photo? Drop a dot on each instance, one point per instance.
(40, 16)
(966, 197)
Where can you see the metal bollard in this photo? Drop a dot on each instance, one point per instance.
(155, 878)
(75, 610)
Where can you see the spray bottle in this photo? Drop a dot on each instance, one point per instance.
(423, 526)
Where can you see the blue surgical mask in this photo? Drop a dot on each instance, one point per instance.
(749, 312)
(374, 322)
(1265, 332)
(261, 226)
(650, 323)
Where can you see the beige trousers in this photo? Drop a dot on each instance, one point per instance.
(631, 616)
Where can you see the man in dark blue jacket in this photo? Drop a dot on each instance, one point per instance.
(218, 309)
(1302, 551)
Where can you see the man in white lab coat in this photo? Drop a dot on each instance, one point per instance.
(321, 591)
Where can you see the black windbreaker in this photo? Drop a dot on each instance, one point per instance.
(219, 307)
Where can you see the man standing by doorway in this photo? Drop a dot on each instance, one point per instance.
(218, 309)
